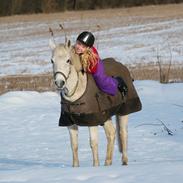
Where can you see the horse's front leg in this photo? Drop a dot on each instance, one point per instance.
(110, 134)
(93, 131)
(73, 131)
(123, 132)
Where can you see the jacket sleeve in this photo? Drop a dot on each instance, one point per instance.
(105, 83)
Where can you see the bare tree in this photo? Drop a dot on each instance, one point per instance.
(74, 4)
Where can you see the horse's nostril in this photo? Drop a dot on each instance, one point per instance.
(60, 84)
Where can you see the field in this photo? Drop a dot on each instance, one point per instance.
(33, 149)
(141, 38)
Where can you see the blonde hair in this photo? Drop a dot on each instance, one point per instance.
(89, 59)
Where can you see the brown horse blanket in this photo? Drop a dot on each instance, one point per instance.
(95, 106)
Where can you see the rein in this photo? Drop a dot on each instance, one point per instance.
(76, 86)
(66, 78)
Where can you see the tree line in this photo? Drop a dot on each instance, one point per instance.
(11, 7)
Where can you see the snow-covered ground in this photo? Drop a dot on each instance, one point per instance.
(33, 149)
(128, 38)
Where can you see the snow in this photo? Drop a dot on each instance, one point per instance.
(33, 149)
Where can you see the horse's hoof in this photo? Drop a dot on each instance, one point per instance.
(75, 165)
(108, 163)
(95, 165)
(125, 163)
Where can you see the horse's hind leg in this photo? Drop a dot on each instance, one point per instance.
(93, 130)
(73, 131)
(122, 126)
(110, 134)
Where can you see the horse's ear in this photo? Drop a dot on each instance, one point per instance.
(68, 44)
(52, 44)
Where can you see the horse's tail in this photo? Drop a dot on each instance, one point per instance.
(118, 134)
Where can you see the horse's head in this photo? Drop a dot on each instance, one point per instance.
(61, 60)
(66, 66)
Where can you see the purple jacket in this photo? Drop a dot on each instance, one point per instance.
(105, 83)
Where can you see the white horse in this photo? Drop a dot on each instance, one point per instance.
(72, 83)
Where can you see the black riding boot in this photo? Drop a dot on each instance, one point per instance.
(122, 85)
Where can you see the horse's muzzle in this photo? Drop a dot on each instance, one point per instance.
(59, 83)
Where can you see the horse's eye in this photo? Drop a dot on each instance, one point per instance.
(52, 61)
(68, 61)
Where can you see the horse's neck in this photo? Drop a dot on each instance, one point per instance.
(76, 85)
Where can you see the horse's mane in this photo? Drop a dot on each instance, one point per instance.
(76, 60)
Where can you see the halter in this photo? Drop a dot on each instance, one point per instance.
(58, 72)
(66, 78)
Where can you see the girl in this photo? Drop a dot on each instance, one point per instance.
(94, 65)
